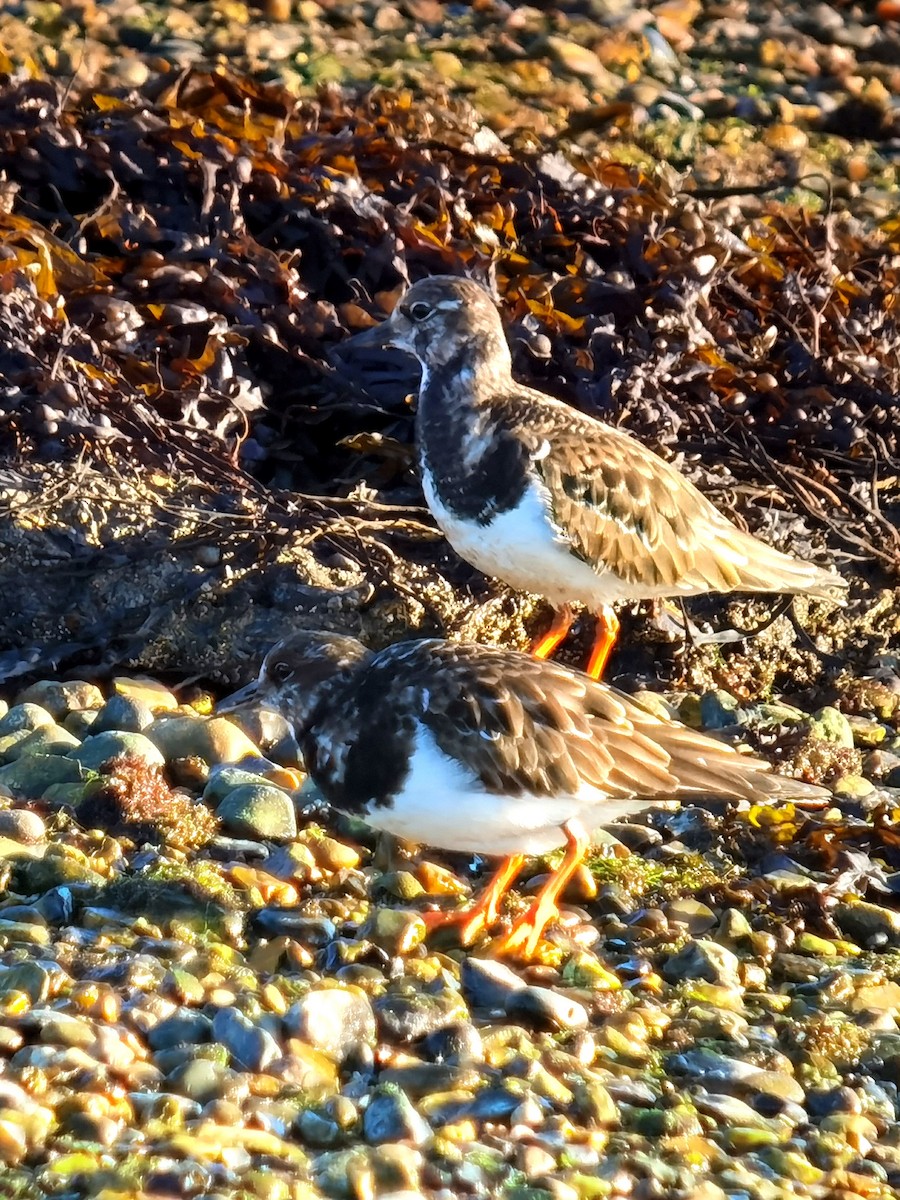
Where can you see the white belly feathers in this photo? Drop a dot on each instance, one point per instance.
(442, 804)
(522, 548)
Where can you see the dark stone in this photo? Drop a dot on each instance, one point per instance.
(488, 984)
(456, 1044)
(251, 1047)
(185, 1027)
(406, 1019)
(547, 1009)
(391, 1117)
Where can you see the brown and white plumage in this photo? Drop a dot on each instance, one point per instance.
(476, 749)
(548, 499)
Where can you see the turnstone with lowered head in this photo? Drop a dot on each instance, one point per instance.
(550, 500)
(486, 751)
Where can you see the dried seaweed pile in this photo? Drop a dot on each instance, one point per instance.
(176, 270)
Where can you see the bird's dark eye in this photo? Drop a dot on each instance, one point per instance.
(281, 671)
(420, 311)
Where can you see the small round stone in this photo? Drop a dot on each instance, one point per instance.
(21, 825)
(703, 959)
(258, 810)
(391, 1117)
(334, 1020)
(126, 713)
(99, 749)
(547, 1008)
(24, 716)
(251, 1047)
(60, 698)
(216, 740)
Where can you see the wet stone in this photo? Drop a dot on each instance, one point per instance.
(712, 1068)
(251, 1047)
(293, 862)
(170, 1060)
(32, 775)
(317, 1130)
(703, 959)
(699, 918)
(547, 1009)
(870, 925)
(391, 1117)
(127, 714)
(308, 1069)
(60, 698)
(729, 1110)
(201, 1080)
(407, 1019)
(215, 740)
(224, 779)
(10, 741)
(334, 1020)
(333, 855)
(734, 928)
(185, 1027)
(81, 722)
(488, 983)
(853, 787)
(258, 810)
(99, 749)
(428, 1079)
(155, 695)
(21, 825)
(636, 1092)
(61, 1029)
(262, 726)
(311, 931)
(28, 977)
(49, 739)
(25, 716)
(185, 986)
(867, 733)
(718, 710)
(830, 725)
(396, 931)
(458, 1044)
(826, 1102)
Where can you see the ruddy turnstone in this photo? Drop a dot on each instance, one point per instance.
(550, 500)
(487, 751)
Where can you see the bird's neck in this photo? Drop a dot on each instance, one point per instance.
(456, 387)
(470, 462)
(302, 704)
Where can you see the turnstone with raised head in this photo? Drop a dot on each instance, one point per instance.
(486, 751)
(550, 500)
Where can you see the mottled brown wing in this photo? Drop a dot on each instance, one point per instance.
(522, 725)
(625, 509)
(526, 725)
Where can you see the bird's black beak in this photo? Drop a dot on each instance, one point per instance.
(244, 695)
(379, 337)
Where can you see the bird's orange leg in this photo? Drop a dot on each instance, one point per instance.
(604, 640)
(522, 940)
(562, 623)
(486, 909)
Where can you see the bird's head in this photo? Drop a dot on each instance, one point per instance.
(296, 672)
(436, 320)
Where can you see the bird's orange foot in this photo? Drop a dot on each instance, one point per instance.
(562, 623)
(524, 938)
(525, 935)
(485, 912)
(604, 640)
(470, 922)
